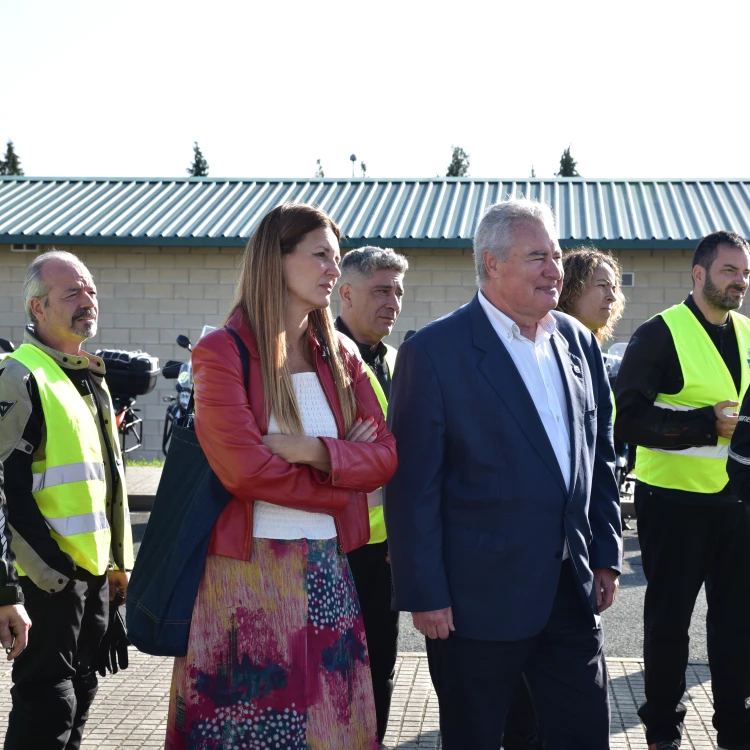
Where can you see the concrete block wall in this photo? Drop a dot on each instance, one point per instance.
(147, 297)
(662, 278)
(150, 295)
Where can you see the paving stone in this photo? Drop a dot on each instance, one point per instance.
(131, 708)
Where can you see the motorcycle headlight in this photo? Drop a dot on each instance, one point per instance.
(184, 399)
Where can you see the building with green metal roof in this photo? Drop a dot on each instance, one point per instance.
(164, 252)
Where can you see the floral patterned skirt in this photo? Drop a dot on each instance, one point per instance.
(277, 655)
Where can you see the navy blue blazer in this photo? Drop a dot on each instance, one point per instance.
(477, 513)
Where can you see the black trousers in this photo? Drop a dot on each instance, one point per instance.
(54, 679)
(372, 577)
(564, 667)
(684, 546)
(521, 731)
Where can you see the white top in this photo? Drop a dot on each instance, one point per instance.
(277, 521)
(540, 372)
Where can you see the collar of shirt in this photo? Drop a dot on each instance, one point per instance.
(507, 329)
(711, 328)
(85, 361)
(370, 356)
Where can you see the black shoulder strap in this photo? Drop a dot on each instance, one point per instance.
(244, 356)
(244, 359)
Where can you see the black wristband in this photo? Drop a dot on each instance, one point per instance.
(11, 595)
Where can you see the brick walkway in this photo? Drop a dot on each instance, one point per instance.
(130, 710)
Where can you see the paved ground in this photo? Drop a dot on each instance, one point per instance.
(130, 710)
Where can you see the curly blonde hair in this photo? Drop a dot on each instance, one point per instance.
(579, 265)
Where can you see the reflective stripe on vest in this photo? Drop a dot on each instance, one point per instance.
(702, 451)
(83, 524)
(706, 381)
(377, 518)
(69, 484)
(54, 475)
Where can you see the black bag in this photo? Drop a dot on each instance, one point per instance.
(170, 562)
(129, 373)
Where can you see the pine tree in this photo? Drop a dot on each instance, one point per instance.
(10, 164)
(319, 169)
(459, 166)
(363, 167)
(568, 165)
(199, 167)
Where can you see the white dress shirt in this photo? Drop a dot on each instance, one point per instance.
(538, 368)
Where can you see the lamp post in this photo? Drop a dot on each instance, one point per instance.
(352, 159)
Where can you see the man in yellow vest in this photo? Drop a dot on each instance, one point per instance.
(67, 503)
(371, 290)
(682, 378)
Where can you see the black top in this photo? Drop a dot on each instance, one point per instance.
(374, 358)
(651, 366)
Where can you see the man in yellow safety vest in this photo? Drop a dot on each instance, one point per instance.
(67, 503)
(680, 383)
(371, 290)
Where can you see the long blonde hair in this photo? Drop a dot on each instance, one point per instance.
(261, 295)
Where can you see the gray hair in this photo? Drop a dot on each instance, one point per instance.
(366, 260)
(33, 284)
(495, 231)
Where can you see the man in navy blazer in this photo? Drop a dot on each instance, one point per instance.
(503, 516)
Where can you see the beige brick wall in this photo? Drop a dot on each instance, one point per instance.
(149, 295)
(662, 278)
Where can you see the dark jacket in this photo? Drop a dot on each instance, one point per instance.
(230, 423)
(478, 512)
(10, 591)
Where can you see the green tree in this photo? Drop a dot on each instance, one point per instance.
(199, 167)
(459, 166)
(319, 169)
(568, 165)
(10, 164)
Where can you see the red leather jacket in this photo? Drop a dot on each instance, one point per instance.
(230, 424)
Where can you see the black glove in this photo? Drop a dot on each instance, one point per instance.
(113, 650)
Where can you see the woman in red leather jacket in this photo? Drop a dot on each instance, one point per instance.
(277, 654)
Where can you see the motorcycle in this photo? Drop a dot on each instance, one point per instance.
(128, 375)
(182, 372)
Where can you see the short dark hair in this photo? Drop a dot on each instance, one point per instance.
(705, 253)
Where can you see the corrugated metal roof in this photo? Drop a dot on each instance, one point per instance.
(402, 213)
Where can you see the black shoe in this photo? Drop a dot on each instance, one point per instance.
(665, 745)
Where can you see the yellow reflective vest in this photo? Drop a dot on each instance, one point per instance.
(377, 519)
(707, 381)
(69, 481)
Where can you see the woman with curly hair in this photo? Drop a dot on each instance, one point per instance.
(591, 291)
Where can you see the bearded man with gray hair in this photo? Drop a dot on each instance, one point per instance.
(371, 288)
(503, 516)
(66, 503)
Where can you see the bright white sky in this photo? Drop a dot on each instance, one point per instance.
(117, 88)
